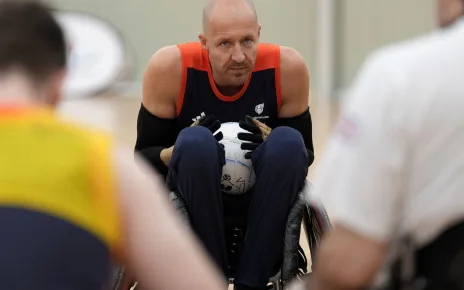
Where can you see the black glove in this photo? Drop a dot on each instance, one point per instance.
(258, 134)
(212, 124)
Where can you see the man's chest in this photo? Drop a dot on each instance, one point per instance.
(258, 100)
(264, 111)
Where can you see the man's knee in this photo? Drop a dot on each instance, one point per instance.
(196, 146)
(285, 147)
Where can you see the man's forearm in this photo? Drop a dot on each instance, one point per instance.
(316, 283)
(346, 261)
(313, 281)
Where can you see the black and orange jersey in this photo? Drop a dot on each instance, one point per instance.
(58, 214)
(260, 97)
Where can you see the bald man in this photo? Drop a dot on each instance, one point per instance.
(225, 77)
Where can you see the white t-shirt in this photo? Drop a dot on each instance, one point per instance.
(395, 162)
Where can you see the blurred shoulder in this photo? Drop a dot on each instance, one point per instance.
(165, 59)
(420, 53)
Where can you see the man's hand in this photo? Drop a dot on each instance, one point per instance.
(258, 134)
(166, 155)
(209, 122)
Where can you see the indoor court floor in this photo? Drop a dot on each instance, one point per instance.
(118, 115)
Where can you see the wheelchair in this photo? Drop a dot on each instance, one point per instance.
(294, 260)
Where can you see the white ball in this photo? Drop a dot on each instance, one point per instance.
(238, 175)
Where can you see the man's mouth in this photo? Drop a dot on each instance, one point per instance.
(239, 68)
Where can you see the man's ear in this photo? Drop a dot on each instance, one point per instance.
(203, 40)
(259, 31)
(55, 89)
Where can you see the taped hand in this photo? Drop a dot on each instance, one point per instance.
(211, 123)
(258, 134)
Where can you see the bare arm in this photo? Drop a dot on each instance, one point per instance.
(294, 83)
(294, 111)
(346, 260)
(161, 252)
(161, 82)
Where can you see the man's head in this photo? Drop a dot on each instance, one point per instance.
(449, 11)
(231, 35)
(32, 48)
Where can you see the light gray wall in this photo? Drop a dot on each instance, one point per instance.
(290, 23)
(364, 25)
(147, 25)
(361, 26)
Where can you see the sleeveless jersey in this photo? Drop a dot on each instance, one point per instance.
(58, 213)
(260, 96)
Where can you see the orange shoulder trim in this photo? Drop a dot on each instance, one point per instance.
(192, 57)
(268, 57)
(17, 110)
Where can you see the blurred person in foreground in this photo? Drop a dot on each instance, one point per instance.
(230, 76)
(70, 199)
(393, 173)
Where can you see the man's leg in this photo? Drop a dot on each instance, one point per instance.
(195, 171)
(281, 166)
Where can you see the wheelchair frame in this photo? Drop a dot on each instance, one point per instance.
(315, 223)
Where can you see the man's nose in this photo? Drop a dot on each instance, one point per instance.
(238, 56)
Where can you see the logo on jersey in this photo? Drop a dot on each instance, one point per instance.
(347, 128)
(259, 109)
(198, 117)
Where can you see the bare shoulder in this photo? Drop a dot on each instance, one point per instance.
(291, 59)
(295, 82)
(161, 81)
(165, 58)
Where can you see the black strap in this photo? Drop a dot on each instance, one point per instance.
(153, 135)
(303, 124)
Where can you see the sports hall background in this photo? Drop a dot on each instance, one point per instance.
(334, 36)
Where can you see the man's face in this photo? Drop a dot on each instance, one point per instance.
(232, 44)
(449, 11)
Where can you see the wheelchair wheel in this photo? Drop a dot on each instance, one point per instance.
(124, 281)
(316, 223)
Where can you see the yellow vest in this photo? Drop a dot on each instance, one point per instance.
(59, 169)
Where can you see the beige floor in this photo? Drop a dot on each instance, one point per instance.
(118, 115)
